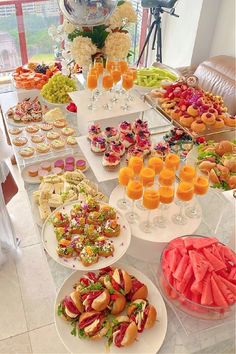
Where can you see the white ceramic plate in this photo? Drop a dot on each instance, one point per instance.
(148, 342)
(157, 235)
(36, 180)
(121, 243)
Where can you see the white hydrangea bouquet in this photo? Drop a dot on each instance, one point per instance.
(109, 40)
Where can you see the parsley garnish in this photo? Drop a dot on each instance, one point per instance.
(95, 286)
(73, 332)
(81, 333)
(139, 306)
(111, 291)
(60, 310)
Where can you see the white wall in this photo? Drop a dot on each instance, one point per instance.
(223, 41)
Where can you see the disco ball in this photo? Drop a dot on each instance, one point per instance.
(87, 13)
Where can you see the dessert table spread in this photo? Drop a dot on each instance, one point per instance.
(184, 333)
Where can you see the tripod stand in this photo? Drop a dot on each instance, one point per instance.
(156, 26)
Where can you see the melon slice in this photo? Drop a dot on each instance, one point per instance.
(199, 264)
(179, 272)
(232, 275)
(219, 299)
(186, 278)
(228, 254)
(188, 242)
(201, 242)
(214, 261)
(207, 298)
(228, 295)
(230, 285)
(214, 249)
(173, 257)
(176, 243)
(196, 287)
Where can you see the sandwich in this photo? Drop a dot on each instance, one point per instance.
(71, 306)
(118, 280)
(124, 332)
(92, 324)
(95, 297)
(143, 314)
(138, 290)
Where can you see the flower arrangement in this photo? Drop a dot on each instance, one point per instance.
(111, 39)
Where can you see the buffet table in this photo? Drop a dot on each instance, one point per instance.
(184, 333)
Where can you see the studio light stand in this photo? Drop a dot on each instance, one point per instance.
(157, 37)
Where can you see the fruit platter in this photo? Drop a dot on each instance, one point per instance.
(36, 172)
(196, 111)
(25, 112)
(198, 275)
(153, 77)
(118, 306)
(86, 233)
(218, 161)
(56, 190)
(34, 76)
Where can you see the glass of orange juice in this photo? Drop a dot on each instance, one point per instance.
(116, 75)
(184, 193)
(98, 64)
(187, 173)
(134, 191)
(172, 161)
(166, 177)
(146, 176)
(127, 84)
(201, 185)
(167, 194)
(107, 84)
(125, 175)
(123, 65)
(109, 63)
(151, 201)
(92, 82)
(136, 163)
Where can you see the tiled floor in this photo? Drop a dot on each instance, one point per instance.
(27, 291)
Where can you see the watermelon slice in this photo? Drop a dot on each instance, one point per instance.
(201, 242)
(228, 254)
(173, 257)
(188, 242)
(179, 272)
(206, 298)
(230, 285)
(215, 262)
(223, 273)
(219, 299)
(196, 287)
(228, 295)
(199, 264)
(186, 278)
(176, 243)
(214, 249)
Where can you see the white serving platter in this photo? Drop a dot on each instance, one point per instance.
(121, 243)
(148, 342)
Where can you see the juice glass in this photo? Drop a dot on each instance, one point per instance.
(127, 84)
(110, 62)
(151, 201)
(167, 194)
(136, 164)
(123, 65)
(156, 163)
(184, 193)
(107, 84)
(125, 175)
(146, 176)
(166, 177)
(187, 173)
(133, 72)
(116, 75)
(172, 161)
(92, 82)
(201, 185)
(134, 191)
(98, 64)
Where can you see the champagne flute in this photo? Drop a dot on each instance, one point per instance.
(125, 175)
(184, 193)
(167, 194)
(147, 176)
(110, 62)
(151, 201)
(94, 71)
(107, 83)
(201, 185)
(134, 191)
(116, 75)
(92, 82)
(99, 66)
(127, 84)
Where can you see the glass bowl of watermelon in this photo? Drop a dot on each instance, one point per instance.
(197, 274)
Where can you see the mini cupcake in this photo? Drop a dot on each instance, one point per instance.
(46, 166)
(144, 145)
(80, 165)
(117, 147)
(94, 131)
(125, 127)
(139, 124)
(161, 149)
(134, 151)
(127, 139)
(70, 160)
(110, 160)
(98, 144)
(59, 163)
(69, 168)
(110, 134)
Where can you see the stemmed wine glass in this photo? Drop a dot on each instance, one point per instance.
(147, 176)
(167, 194)
(125, 175)
(201, 185)
(127, 84)
(116, 75)
(92, 82)
(134, 191)
(99, 66)
(107, 83)
(184, 193)
(151, 200)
